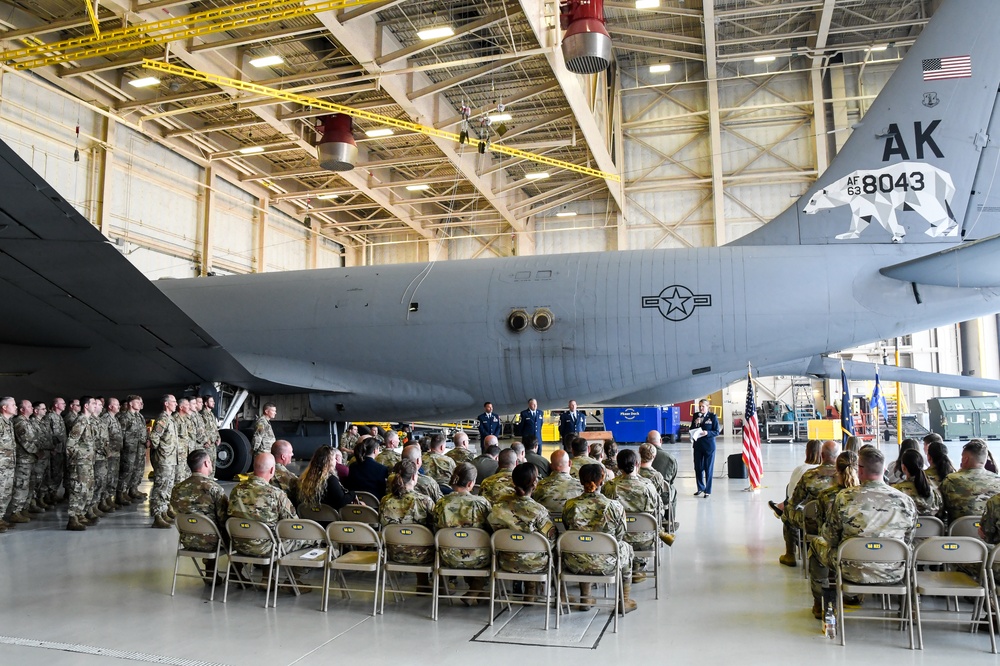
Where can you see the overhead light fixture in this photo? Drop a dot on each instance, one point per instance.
(566, 213)
(659, 69)
(537, 175)
(647, 4)
(267, 61)
(500, 117)
(250, 150)
(327, 197)
(144, 82)
(376, 133)
(436, 33)
(418, 188)
(764, 59)
(883, 47)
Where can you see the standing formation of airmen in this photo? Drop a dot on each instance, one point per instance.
(96, 450)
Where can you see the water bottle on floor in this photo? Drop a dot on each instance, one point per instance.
(830, 622)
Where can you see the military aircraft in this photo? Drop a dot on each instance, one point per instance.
(435, 340)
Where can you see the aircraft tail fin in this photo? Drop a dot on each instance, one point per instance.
(921, 163)
(967, 265)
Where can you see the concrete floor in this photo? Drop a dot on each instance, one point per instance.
(103, 597)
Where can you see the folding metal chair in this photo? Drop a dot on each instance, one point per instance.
(405, 535)
(810, 513)
(314, 556)
(357, 536)
(514, 542)
(952, 551)
(196, 524)
(368, 499)
(241, 529)
(361, 513)
(881, 551)
(590, 543)
(322, 514)
(644, 522)
(967, 526)
(927, 526)
(460, 538)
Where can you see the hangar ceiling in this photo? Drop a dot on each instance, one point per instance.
(502, 58)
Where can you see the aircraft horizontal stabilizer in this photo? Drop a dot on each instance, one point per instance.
(827, 367)
(972, 264)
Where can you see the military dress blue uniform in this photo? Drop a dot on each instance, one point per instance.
(704, 450)
(571, 424)
(489, 424)
(531, 426)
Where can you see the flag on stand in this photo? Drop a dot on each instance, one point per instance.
(751, 439)
(846, 414)
(878, 400)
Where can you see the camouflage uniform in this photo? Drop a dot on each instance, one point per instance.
(8, 454)
(115, 446)
(163, 456)
(46, 445)
(286, 481)
(81, 444)
(578, 462)
(412, 508)
(593, 512)
(926, 506)
(636, 495)
(212, 437)
(989, 524)
(439, 467)
(101, 450)
(553, 491)
(57, 464)
(185, 444)
(460, 455)
(134, 437)
(263, 435)
(932, 476)
(27, 456)
(667, 493)
(807, 489)
(69, 418)
(258, 500)
(200, 494)
(464, 510)
(524, 515)
(498, 486)
(872, 509)
(666, 465)
(347, 443)
(389, 458)
(965, 492)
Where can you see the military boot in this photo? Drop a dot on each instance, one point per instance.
(140, 495)
(106, 505)
(3, 526)
(93, 516)
(170, 513)
(531, 591)
(19, 517)
(667, 538)
(40, 501)
(122, 499)
(638, 576)
(586, 600)
(160, 522)
(788, 559)
(74, 525)
(34, 508)
(629, 604)
(476, 589)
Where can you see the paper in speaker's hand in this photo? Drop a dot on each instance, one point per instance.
(696, 433)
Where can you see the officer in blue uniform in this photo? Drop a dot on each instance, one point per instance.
(704, 448)
(571, 424)
(489, 424)
(531, 425)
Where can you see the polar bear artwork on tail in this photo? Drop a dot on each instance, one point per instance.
(876, 195)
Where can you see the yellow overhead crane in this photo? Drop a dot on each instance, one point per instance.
(142, 35)
(333, 107)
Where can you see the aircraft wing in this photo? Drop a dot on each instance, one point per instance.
(829, 368)
(79, 317)
(972, 264)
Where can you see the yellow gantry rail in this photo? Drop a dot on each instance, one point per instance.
(92, 15)
(141, 35)
(333, 107)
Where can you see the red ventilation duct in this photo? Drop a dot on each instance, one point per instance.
(337, 149)
(586, 44)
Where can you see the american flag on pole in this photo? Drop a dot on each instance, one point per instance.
(951, 67)
(751, 439)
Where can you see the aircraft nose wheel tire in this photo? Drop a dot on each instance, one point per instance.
(233, 454)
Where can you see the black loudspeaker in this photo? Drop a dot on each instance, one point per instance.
(737, 470)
